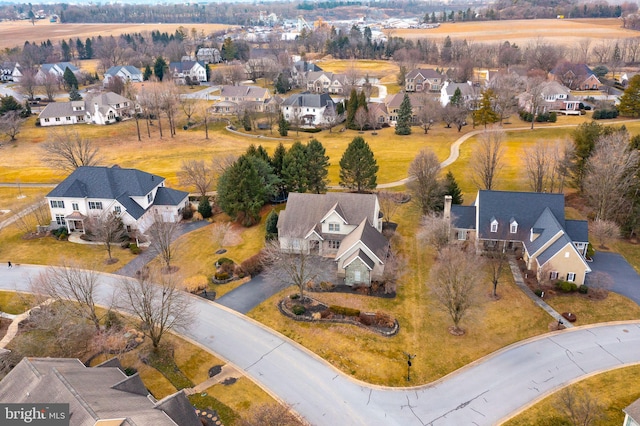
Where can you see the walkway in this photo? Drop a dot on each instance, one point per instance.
(15, 321)
(139, 262)
(28, 210)
(517, 276)
(484, 393)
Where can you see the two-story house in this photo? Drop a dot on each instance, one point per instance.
(139, 198)
(124, 72)
(208, 55)
(56, 69)
(343, 226)
(327, 82)
(307, 109)
(554, 97)
(235, 98)
(9, 70)
(195, 70)
(102, 108)
(467, 92)
(575, 76)
(423, 80)
(531, 221)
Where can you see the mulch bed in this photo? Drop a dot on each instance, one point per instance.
(375, 291)
(316, 311)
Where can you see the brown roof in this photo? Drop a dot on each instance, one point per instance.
(370, 237)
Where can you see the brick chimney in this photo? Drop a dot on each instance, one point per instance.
(447, 207)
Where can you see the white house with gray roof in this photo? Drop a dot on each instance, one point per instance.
(101, 108)
(307, 109)
(531, 221)
(194, 70)
(467, 92)
(344, 226)
(139, 198)
(100, 395)
(56, 69)
(235, 98)
(124, 72)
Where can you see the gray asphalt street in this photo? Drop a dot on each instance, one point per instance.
(483, 393)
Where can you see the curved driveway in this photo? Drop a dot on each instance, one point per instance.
(482, 393)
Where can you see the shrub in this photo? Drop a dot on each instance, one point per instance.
(606, 113)
(384, 320)
(583, 289)
(253, 265)
(221, 276)
(112, 320)
(222, 261)
(366, 319)
(204, 207)
(327, 286)
(537, 292)
(228, 268)
(187, 213)
(341, 310)
(294, 296)
(130, 371)
(195, 283)
(590, 251)
(553, 117)
(124, 244)
(134, 249)
(566, 286)
(325, 314)
(298, 309)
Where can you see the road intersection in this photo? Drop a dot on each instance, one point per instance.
(482, 393)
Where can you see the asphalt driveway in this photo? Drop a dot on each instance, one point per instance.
(250, 294)
(626, 280)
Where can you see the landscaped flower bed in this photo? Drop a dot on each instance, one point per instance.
(311, 310)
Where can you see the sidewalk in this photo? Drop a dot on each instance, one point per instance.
(517, 276)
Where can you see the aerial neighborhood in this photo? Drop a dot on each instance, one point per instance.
(318, 213)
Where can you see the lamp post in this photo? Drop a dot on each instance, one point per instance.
(409, 358)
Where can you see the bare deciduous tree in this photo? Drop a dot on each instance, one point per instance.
(162, 234)
(157, 301)
(395, 266)
(580, 407)
(67, 150)
(435, 230)
(292, 265)
(196, 174)
(604, 231)
(424, 184)
(600, 284)
(389, 203)
(506, 87)
(428, 111)
(361, 118)
(538, 161)
(454, 282)
(108, 229)
(28, 82)
(535, 87)
(71, 283)
(610, 172)
(29, 219)
(10, 124)
(330, 116)
(487, 160)
(497, 261)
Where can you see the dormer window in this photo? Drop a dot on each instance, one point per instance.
(334, 227)
(494, 225)
(513, 226)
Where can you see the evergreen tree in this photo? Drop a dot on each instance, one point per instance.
(70, 80)
(358, 166)
(271, 226)
(362, 101)
(456, 99)
(318, 167)
(82, 53)
(147, 73)
(282, 84)
(246, 121)
(277, 159)
(485, 114)
(204, 207)
(66, 51)
(451, 188)
(405, 114)
(240, 192)
(74, 95)
(340, 108)
(630, 99)
(159, 67)
(258, 151)
(352, 107)
(26, 112)
(9, 103)
(88, 49)
(283, 125)
(295, 168)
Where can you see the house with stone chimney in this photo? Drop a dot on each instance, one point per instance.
(532, 223)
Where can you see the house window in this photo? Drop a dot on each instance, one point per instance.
(571, 277)
(494, 226)
(335, 227)
(514, 227)
(149, 197)
(117, 209)
(553, 275)
(95, 205)
(462, 235)
(68, 118)
(57, 118)
(75, 207)
(57, 204)
(333, 244)
(60, 220)
(46, 120)
(356, 276)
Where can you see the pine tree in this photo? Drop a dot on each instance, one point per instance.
(82, 53)
(70, 80)
(204, 207)
(147, 73)
(66, 51)
(246, 121)
(88, 49)
(241, 193)
(405, 114)
(630, 99)
(295, 168)
(456, 99)
(318, 167)
(451, 188)
(74, 95)
(283, 125)
(277, 159)
(352, 107)
(159, 67)
(485, 114)
(271, 226)
(358, 166)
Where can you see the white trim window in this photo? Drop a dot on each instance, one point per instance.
(57, 204)
(553, 275)
(117, 209)
(462, 235)
(514, 227)
(75, 207)
(494, 225)
(95, 205)
(334, 227)
(333, 244)
(571, 277)
(60, 220)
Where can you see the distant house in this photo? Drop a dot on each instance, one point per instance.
(104, 108)
(467, 92)
(575, 76)
(124, 72)
(56, 69)
(138, 197)
(393, 102)
(531, 221)
(9, 71)
(327, 82)
(208, 55)
(300, 70)
(101, 395)
(307, 109)
(555, 97)
(195, 70)
(235, 98)
(343, 226)
(423, 80)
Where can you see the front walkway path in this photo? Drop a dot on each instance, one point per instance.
(517, 276)
(484, 393)
(15, 321)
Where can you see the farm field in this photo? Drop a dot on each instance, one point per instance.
(558, 31)
(14, 33)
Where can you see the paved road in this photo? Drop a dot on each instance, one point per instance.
(250, 294)
(626, 280)
(483, 393)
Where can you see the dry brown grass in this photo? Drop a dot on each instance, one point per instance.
(566, 31)
(14, 33)
(589, 311)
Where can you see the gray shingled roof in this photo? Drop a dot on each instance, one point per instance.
(103, 99)
(547, 226)
(304, 211)
(633, 410)
(130, 68)
(464, 217)
(184, 66)
(524, 207)
(252, 92)
(59, 109)
(578, 230)
(91, 393)
(169, 197)
(554, 248)
(311, 100)
(304, 66)
(370, 237)
(427, 73)
(362, 256)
